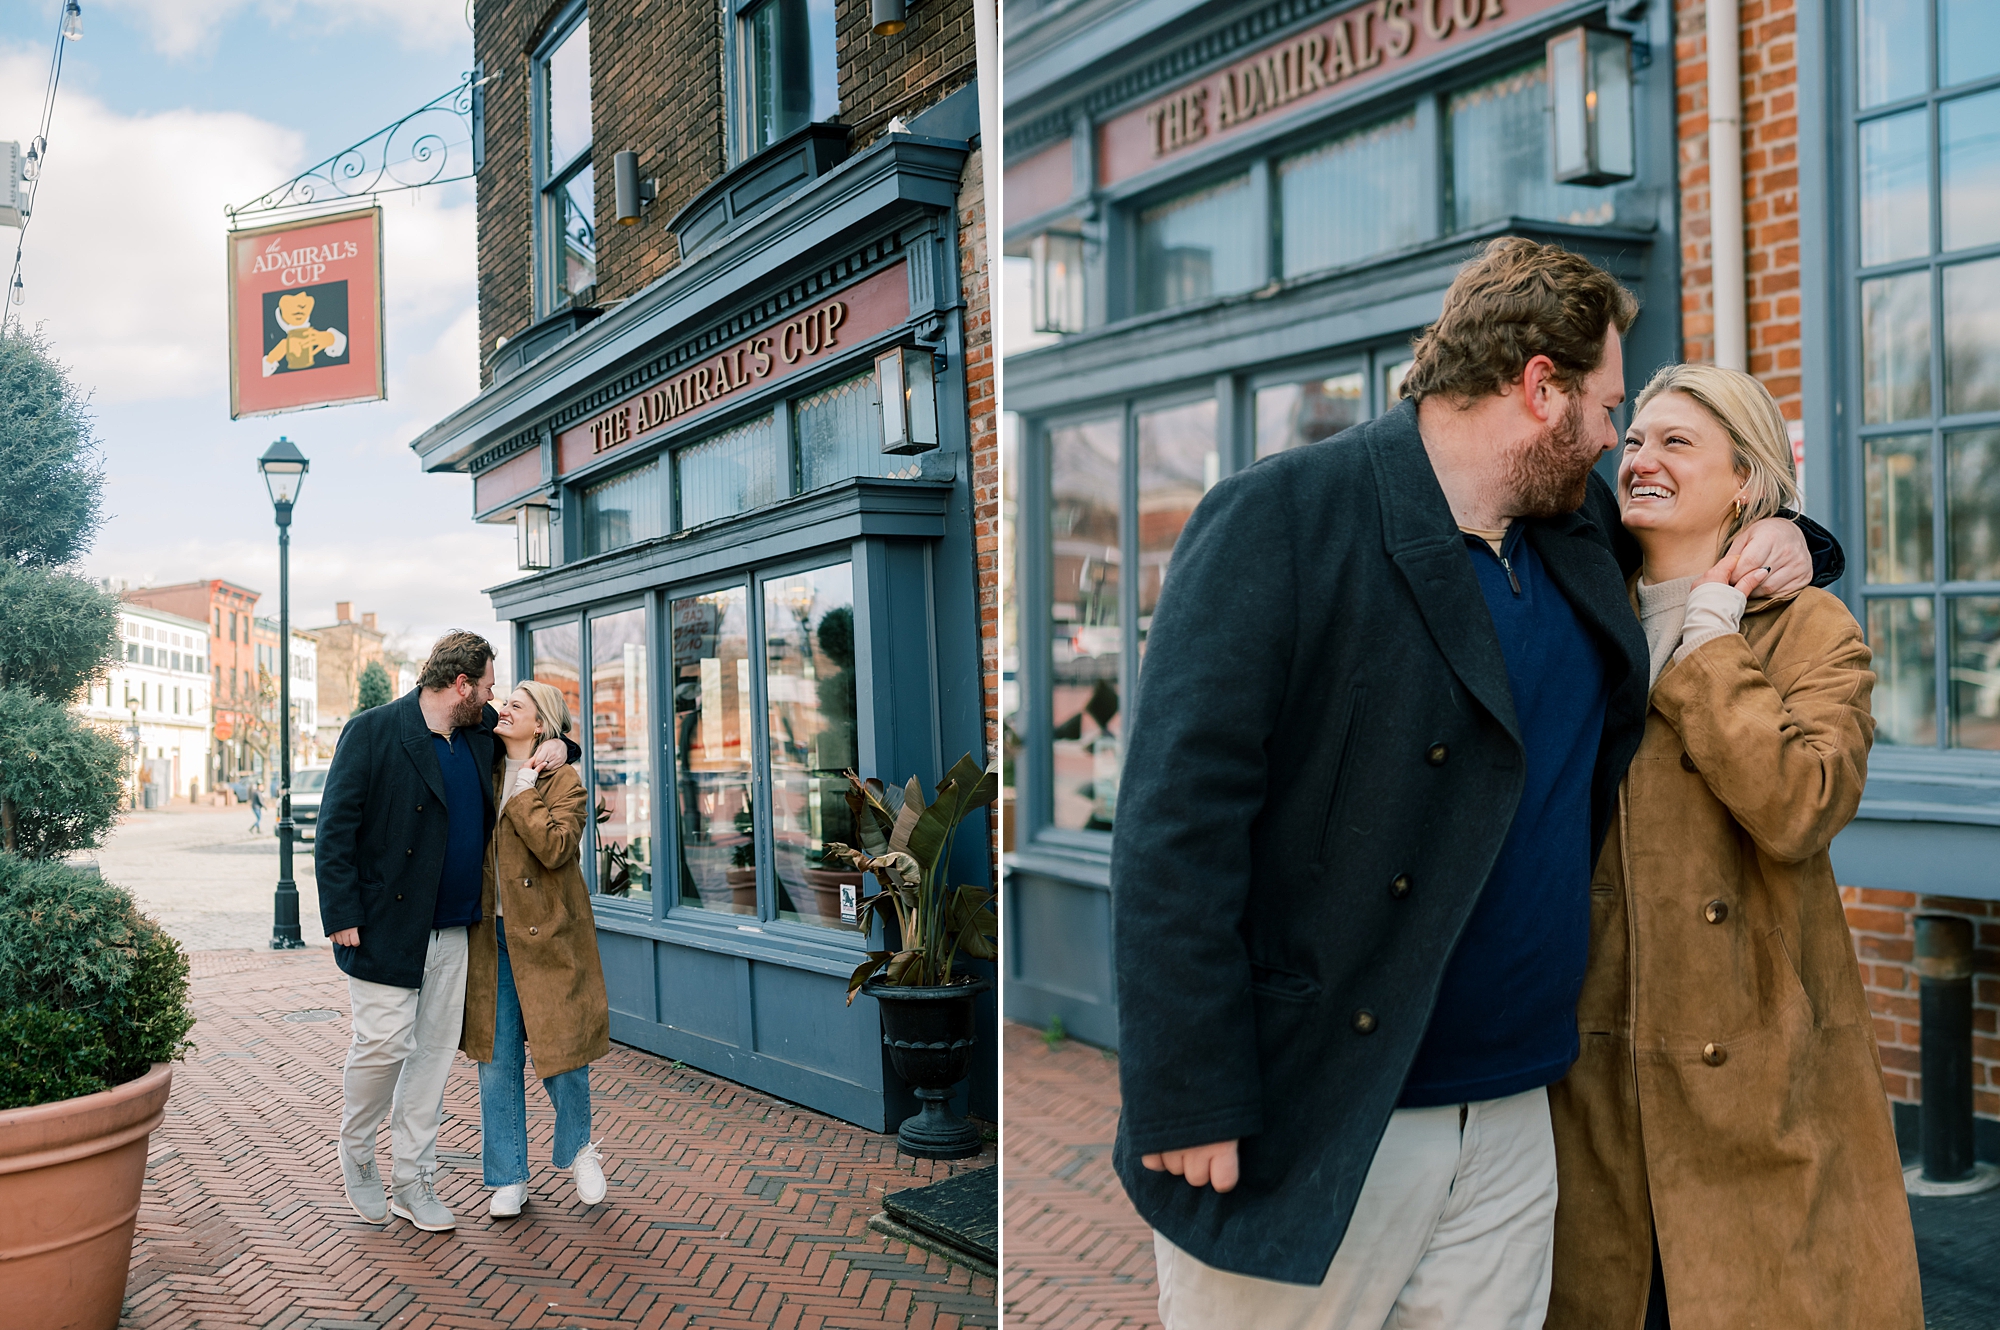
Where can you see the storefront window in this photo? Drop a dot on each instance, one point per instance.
(730, 473)
(557, 663)
(623, 510)
(621, 756)
(1086, 636)
(839, 435)
(789, 67)
(711, 741)
(1292, 414)
(1349, 199)
(809, 681)
(1196, 247)
(1931, 496)
(1500, 156)
(1178, 462)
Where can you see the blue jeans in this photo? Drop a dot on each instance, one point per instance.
(503, 1095)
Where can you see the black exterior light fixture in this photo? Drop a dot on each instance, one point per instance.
(531, 537)
(906, 378)
(1590, 93)
(631, 193)
(284, 468)
(889, 17)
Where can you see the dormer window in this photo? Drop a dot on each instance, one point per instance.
(565, 184)
(787, 76)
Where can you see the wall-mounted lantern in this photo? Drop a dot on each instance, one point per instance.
(889, 17)
(630, 191)
(531, 536)
(1590, 92)
(907, 380)
(1056, 281)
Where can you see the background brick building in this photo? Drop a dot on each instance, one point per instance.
(229, 611)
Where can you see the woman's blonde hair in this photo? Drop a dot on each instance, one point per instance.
(1749, 415)
(551, 709)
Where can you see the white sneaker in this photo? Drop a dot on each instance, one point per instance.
(508, 1200)
(588, 1173)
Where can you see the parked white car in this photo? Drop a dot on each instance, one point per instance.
(308, 784)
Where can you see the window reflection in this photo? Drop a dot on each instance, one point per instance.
(623, 510)
(1896, 348)
(1899, 508)
(1178, 463)
(791, 66)
(566, 87)
(620, 759)
(712, 752)
(1891, 49)
(576, 227)
(1968, 40)
(557, 655)
(1195, 247)
(1969, 168)
(1086, 635)
(1292, 414)
(810, 681)
(1972, 337)
(1895, 188)
(1972, 469)
(1975, 672)
(1348, 199)
(1500, 156)
(1904, 640)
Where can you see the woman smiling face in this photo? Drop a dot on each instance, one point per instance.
(516, 719)
(1678, 475)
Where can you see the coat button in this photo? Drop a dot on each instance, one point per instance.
(1715, 911)
(1687, 764)
(1714, 1054)
(408, 853)
(420, 808)
(536, 932)
(1437, 754)
(399, 895)
(1364, 1022)
(1399, 885)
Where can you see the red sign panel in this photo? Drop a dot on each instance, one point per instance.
(813, 336)
(305, 315)
(1358, 46)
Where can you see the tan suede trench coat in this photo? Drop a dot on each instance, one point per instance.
(532, 869)
(1728, 1088)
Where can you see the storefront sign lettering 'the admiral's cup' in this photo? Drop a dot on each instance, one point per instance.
(1364, 42)
(305, 315)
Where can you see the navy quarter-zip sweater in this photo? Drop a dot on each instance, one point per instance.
(1505, 1019)
(465, 843)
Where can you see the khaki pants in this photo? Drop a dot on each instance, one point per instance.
(404, 1039)
(1454, 1230)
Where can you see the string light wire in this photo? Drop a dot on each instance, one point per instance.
(39, 148)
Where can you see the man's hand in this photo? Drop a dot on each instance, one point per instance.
(1203, 1166)
(1771, 558)
(346, 937)
(553, 753)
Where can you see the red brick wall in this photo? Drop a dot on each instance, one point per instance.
(1769, 56)
(983, 411)
(882, 77)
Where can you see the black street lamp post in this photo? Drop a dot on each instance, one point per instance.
(284, 468)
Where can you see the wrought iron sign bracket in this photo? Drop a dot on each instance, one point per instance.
(440, 142)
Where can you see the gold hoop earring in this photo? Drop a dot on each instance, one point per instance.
(1736, 510)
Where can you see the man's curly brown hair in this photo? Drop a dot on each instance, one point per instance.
(457, 652)
(1516, 301)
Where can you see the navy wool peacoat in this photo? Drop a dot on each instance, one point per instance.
(1322, 764)
(379, 850)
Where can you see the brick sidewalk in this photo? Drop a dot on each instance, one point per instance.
(727, 1207)
(1076, 1256)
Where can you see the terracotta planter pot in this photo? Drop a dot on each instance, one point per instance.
(826, 884)
(70, 1174)
(742, 888)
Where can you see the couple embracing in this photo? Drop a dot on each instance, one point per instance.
(451, 889)
(1480, 963)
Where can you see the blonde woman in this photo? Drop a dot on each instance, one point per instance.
(533, 975)
(1724, 1150)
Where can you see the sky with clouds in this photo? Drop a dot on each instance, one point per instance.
(169, 110)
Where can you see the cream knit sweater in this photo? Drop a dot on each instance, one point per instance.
(1679, 616)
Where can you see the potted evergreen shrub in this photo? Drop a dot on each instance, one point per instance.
(925, 1000)
(93, 997)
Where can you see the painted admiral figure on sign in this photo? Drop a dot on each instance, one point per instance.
(305, 315)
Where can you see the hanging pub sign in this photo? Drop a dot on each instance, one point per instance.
(305, 315)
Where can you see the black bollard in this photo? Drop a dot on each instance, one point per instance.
(1944, 971)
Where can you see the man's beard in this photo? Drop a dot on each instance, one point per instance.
(1551, 475)
(468, 714)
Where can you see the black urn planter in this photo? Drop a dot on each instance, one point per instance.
(930, 1033)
